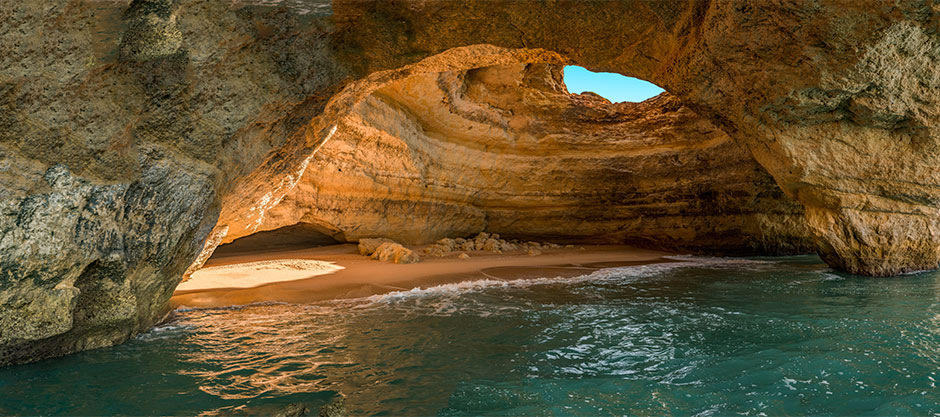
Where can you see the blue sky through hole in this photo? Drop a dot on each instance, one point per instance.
(614, 87)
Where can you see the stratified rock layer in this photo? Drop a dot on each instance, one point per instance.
(506, 149)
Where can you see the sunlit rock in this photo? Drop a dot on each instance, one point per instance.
(506, 149)
(395, 253)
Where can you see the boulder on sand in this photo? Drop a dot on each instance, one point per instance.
(367, 246)
(395, 253)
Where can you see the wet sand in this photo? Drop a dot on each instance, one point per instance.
(254, 274)
(360, 276)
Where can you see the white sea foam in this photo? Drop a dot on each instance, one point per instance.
(184, 309)
(828, 275)
(619, 274)
(163, 331)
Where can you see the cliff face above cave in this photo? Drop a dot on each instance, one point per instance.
(506, 149)
(131, 133)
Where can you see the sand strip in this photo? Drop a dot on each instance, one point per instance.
(358, 276)
(254, 274)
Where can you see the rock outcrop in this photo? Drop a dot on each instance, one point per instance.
(116, 149)
(131, 133)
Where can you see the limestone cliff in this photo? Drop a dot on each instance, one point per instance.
(506, 149)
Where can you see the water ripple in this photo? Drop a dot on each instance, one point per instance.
(700, 336)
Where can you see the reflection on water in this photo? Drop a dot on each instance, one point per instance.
(712, 336)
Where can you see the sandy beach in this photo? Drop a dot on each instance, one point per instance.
(290, 275)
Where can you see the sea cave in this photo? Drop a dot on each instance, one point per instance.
(469, 207)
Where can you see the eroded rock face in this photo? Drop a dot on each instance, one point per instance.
(86, 265)
(152, 32)
(506, 149)
(116, 148)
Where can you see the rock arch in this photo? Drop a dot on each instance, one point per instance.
(506, 149)
(202, 115)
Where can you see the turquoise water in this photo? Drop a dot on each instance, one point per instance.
(706, 336)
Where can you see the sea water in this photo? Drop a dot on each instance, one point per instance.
(699, 336)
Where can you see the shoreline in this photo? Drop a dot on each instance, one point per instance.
(358, 276)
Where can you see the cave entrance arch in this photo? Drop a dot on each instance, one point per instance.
(451, 150)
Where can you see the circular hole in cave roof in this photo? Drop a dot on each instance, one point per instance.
(613, 87)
